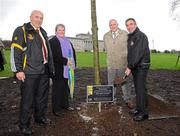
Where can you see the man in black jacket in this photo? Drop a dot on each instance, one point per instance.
(138, 65)
(31, 60)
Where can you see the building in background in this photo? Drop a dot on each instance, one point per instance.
(83, 43)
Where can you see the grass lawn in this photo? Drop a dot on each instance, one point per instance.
(158, 60)
(164, 61)
(85, 59)
(7, 68)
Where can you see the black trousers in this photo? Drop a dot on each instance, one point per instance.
(60, 94)
(34, 97)
(1, 66)
(1, 62)
(139, 77)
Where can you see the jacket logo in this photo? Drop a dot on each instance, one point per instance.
(15, 38)
(132, 43)
(30, 37)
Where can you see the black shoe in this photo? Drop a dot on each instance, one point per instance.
(134, 112)
(43, 121)
(70, 109)
(58, 113)
(26, 130)
(140, 117)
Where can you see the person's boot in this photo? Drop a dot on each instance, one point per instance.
(27, 131)
(141, 117)
(43, 121)
(134, 112)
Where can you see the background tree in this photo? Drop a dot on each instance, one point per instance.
(174, 4)
(175, 14)
(175, 11)
(95, 43)
(167, 51)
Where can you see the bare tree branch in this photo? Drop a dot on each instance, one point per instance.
(174, 4)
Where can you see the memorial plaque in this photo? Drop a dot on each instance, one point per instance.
(100, 93)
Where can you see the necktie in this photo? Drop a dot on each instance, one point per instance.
(114, 35)
(43, 46)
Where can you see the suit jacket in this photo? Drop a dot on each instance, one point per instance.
(59, 60)
(116, 49)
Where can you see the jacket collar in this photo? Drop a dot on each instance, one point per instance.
(135, 31)
(29, 27)
(119, 31)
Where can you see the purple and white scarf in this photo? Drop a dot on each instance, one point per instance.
(66, 47)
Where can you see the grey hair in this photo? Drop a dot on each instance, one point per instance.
(36, 11)
(113, 20)
(59, 25)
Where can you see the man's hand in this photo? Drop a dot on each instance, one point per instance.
(20, 76)
(128, 71)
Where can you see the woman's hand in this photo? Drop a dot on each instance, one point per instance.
(69, 62)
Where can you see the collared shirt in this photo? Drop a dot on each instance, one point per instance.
(115, 34)
(44, 42)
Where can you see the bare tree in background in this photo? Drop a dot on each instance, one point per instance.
(175, 14)
(174, 4)
(175, 10)
(95, 43)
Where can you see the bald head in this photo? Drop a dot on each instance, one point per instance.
(113, 25)
(36, 18)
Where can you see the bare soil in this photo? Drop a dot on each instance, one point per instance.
(113, 120)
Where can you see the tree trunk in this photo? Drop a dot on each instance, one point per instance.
(95, 43)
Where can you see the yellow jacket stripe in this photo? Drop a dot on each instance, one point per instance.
(22, 49)
(17, 46)
(24, 64)
(25, 57)
(24, 33)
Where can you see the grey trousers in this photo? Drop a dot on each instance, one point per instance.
(112, 74)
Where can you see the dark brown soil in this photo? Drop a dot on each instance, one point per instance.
(113, 120)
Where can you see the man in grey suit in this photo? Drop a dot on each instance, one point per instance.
(115, 42)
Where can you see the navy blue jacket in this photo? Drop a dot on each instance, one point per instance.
(26, 51)
(138, 50)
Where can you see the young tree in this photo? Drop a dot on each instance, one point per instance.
(95, 43)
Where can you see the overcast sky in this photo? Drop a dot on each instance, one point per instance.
(152, 17)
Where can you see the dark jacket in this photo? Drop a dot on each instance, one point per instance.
(59, 60)
(1, 58)
(26, 51)
(138, 50)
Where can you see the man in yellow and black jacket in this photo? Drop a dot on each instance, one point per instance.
(31, 60)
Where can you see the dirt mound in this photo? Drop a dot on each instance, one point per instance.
(114, 119)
